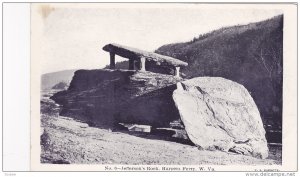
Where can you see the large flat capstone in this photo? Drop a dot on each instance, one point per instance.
(219, 114)
(133, 54)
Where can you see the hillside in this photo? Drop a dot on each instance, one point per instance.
(251, 55)
(51, 79)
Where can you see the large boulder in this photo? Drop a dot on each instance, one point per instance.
(219, 114)
(107, 97)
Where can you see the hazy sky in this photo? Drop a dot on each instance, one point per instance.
(73, 37)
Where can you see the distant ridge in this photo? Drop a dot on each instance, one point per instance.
(48, 80)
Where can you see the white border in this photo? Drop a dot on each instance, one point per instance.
(16, 122)
(16, 88)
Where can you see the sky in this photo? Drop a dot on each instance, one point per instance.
(73, 37)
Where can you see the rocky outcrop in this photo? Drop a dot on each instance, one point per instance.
(67, 141)
(220, 114)
(60, 86)
(107, 97)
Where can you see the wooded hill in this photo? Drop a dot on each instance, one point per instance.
(251, 55)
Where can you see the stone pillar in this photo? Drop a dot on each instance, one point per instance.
(142, 64)
(131, 64)
(112, 61)
(179, 86)
(177, 71)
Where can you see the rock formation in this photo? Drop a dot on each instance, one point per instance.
(220, 114)
(60, 86)
(107, 97)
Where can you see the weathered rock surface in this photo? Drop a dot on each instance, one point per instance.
(107, 97)
(219, 114)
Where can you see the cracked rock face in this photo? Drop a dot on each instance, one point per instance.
(219, 114)
(107, 97)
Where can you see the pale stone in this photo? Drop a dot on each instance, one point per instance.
(219, 114)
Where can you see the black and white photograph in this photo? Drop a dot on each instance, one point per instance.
(160, 86)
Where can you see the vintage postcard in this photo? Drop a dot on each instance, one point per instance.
(163, 87)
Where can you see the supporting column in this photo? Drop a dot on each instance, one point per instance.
(112, 61)
(142, 64)
(177, 73)
(131, 64)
